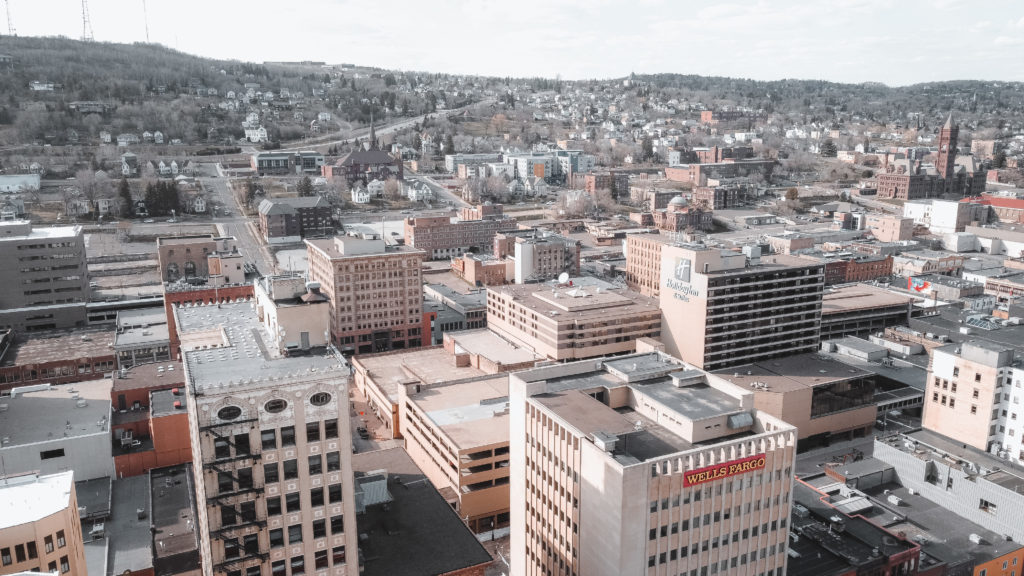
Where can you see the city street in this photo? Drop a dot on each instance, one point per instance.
(237, 225)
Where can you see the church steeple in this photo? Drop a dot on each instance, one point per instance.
(947, 150)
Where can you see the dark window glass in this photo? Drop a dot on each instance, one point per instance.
(312, 432)
(316, 497)
(270, 473)
(330, 428)
(291, 469)
(333, 461)
(291, 502)
(337, 525)
(288, 436)
(294, 534)
(268, 439)
(276, 538)
(315, 464)
(273, 505)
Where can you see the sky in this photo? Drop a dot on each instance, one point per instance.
(897, 42)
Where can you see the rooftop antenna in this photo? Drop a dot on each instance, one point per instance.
(10, 23)
(86, 23)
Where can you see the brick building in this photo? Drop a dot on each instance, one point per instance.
(720, 197)
(55, 357)
(149, 425)
(283, 220)
(440, 237)
(951, 174)
(483, 270)
(612, 180)
(715, 155)
(643, 262)
(680, 216)
(846, 268)
(188, 256)
(374, 290)
(366, 166)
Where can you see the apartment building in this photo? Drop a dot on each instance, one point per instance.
(586, 319)
(543, 256)
(720, 197)
(440, 237)
(643, 262)
(645, 465)
(974, 394)
(457, 433)
(39, 526)
(888, 228)
(44, 266)
(271, 442)
(286, 220)
(374, 292)
(723, 308)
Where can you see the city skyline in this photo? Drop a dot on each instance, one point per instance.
(848, 42)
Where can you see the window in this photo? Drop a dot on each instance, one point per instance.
(986, 506)
(291, 469)
(316, 497)
(48, 544)
(320, 399)
(241, 443)
(48, 454)
(298, 565)
(315, 464)
(276, 538)
(65, 566)
(51, 567)
(294, 534)
(61, 542)
(5, 556)
(320, 558)
(231, 549)
(337, 525)
(224, 482)
(333, 461)
(338, 555)
(221, 448)
(276, 405)
(270, 473)
(291, 502)
(312, 432)
(334, 493)
(253, 571)
(273, 505)
(268, 439)
(330, 428)
(248, 511)
(278, 568)
(319, 528)
(227, 516)
(288, 436)
(244, 478)
(19, 553)
(229, 413)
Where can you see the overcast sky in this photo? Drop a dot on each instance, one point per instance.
(897, 42)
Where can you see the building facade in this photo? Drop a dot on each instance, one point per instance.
(374, 291)
(644, 465)
(44, 266)
(39, 526)
(440, 237)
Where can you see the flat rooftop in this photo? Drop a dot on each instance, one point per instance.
(35, 416)
(173, 513)
(950, 321)
(137, 337)
(161, 403)
(792, 373)
(426, 365)
(839, 299)
(18, 231)
(50, 346)
(233, 348)
(579, 301)
(94, 496)
(141, 317)
(489, 345)
(933, 446)
(31, 497)
(470, 413)
(128, 535)
(768, 262)
(152, 376)
(416, 520)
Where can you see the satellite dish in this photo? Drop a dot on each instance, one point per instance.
(563, 277)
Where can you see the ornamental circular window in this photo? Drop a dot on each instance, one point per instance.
(275, 406)
(320, 399)
(229, 412)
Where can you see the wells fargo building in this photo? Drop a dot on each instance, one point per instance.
(645, 465)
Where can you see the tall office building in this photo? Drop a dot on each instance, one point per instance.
(723, 308)
(271, 442)
(645, 465)
(374, 291)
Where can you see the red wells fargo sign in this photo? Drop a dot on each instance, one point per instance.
(724, 470)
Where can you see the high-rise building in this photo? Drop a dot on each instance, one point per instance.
(374, 291)
(645, 465)
(723, 308)
(271, 443)
(39, 526)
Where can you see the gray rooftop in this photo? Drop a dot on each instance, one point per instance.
(240, 349)
(35, 416)
(129, 537)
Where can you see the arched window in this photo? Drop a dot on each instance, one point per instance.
(172, 271)
(190, 269)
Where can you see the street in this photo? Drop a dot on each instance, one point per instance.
(237, 225)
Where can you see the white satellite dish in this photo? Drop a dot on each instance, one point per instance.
(563, 278)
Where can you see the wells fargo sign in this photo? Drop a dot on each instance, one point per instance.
(724, 470)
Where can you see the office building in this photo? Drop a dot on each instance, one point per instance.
(271, 442)
(45, 265)
(645, 465)
(39, 527)
(825, 399)
(862, 309)
(643, 262)
(585, 319)
(289, 220)
(723, 308)
(374, 291)
(441, 237)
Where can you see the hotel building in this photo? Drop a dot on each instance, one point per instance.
(645, 465)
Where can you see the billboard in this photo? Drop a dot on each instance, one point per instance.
(724, 470)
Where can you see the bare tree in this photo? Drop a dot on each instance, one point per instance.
(393, 189)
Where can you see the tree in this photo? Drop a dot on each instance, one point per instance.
(646, 148)
(449, 144)
(250, 191)
(829, 149)
(305, 187)
(392, 189)
(124, 190)
(792, 194)
(999, 160)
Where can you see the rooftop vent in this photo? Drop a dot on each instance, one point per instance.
(177, 404)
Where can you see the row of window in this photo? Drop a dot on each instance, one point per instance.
(28, 551)
(274, 406)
